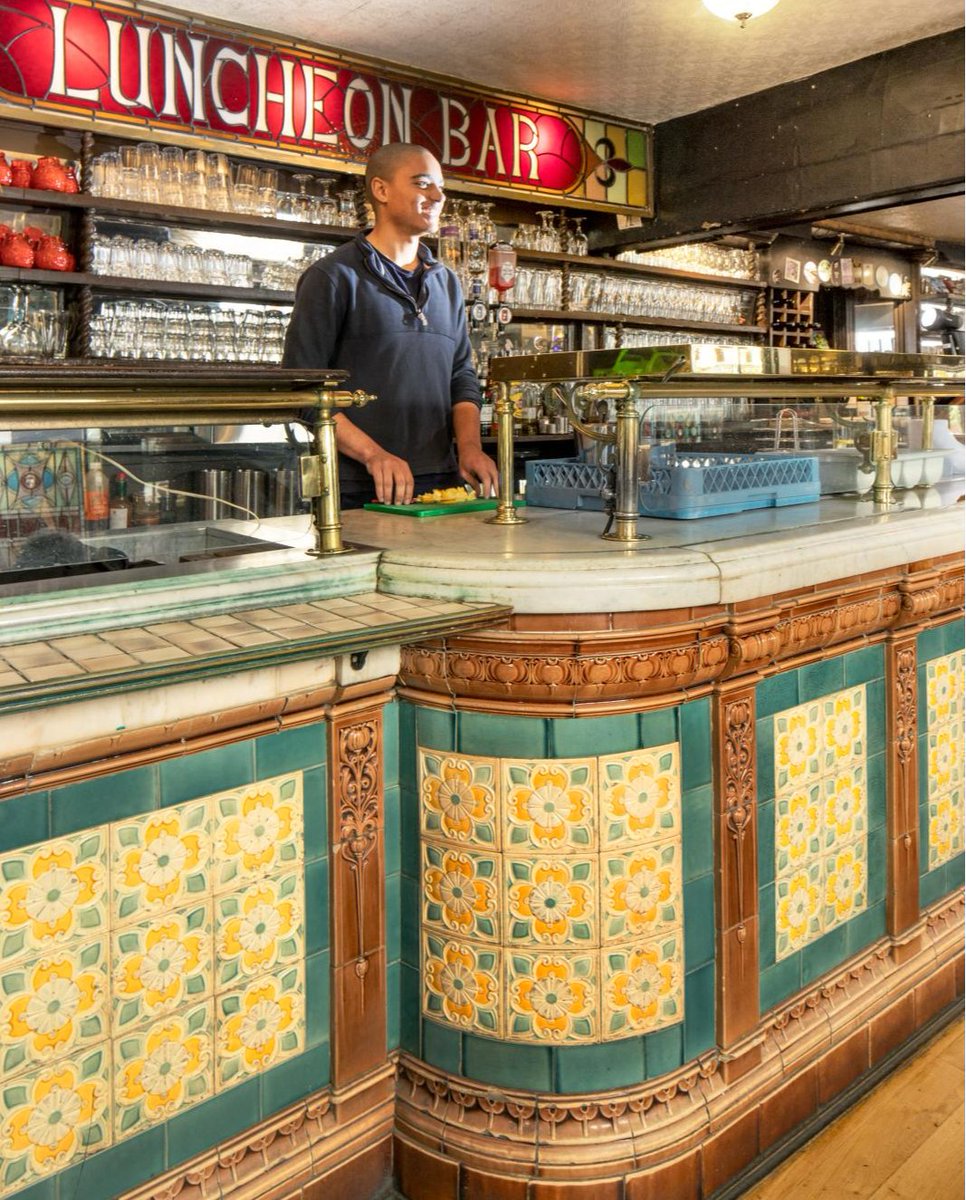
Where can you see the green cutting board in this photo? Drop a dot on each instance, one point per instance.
(433, 508)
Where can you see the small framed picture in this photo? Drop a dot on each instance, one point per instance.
(793, 270)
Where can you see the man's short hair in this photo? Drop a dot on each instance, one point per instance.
(384, 162)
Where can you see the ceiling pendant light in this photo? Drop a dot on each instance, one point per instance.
(739, 10)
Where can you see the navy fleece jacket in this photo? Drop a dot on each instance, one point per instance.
(413, 353)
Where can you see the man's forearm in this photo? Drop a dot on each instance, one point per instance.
(466, 426)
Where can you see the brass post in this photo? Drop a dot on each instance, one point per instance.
(883, 450)
(505, 513)
(626, 498)
(320, 472)
(928, 421)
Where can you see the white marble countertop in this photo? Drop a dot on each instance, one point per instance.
(557, 562)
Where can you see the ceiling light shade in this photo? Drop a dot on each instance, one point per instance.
(739, 10)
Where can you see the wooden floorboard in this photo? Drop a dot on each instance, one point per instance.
(904, 1141)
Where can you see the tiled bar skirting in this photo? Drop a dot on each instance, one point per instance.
(637, 941)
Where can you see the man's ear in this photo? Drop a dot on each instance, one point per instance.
(378, 189)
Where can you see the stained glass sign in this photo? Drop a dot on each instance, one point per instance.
(118, 67)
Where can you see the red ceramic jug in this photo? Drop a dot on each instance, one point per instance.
(6, 175)
(16, 252)
(33, 236)
(49, 175)
(72, 186)
(52, 255)
(20, 170)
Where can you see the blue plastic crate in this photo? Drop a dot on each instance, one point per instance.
(724, 483)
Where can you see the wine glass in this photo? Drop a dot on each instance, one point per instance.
(577, 242)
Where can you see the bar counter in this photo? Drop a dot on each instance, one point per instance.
(592, 870)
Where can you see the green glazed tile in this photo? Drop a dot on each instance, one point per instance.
(766, 842)
(214, 1121)
(290, 1081)
(409, 903)
(390, 744)
(97, 801)
(766, 926)
(206, 773)
(875, 776)
(393, 1012)
(406, 719)
(392, 833)
(442, 1047)
(922, 700)
(765, 758)
(45, 1190)
(317, 999)
(111, 1172)
(875, 715)
(599, 1068)
(954, 636)
(695, 724)
(504, 737)
(780, 981)
(409, 1019)
(290, 750)
(876, 886)
(698, 832)
(393, 918)
(699, 922)
(931, 643)
(663, 1051)
(503, 1065)
(932, 885)
(866, 928)
(923, 750)
(861, 666)
(24, 821)
(698, 1011)
(408, 832)
(820, 679)
(923, 838)
(314, 813)
(776, 693)
(436, 728)
(572, 737)
(954, 872)
(659, 728)
(316, 906)
(826, 952)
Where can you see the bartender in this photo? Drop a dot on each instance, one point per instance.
(382, 308)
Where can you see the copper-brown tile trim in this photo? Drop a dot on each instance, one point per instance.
(902, 784)
(302, 1142)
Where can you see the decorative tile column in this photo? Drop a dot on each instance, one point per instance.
(902, 785)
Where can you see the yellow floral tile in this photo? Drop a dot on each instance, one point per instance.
(798, 828)
(260, 1025)
(844, 721)
(845, 884)
(463, 984)
(53, 893)
(163, 1068)
(641, 893)
(798, 909)
(642, 987)
(258, 929)
(257, 831)
(551, 997)
(160, 861)
(945, 758)
(551, 902)
(159, 966)
(54, 1116)
(459, 798)
(550, 806)
(846, 807)
(945, 828)
(54, 1007)
(798, 747)
(944, 689)
(640, 796)
(461, 892)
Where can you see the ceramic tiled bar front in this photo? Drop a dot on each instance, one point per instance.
(552, 908)
(145, 966)
(944, 743)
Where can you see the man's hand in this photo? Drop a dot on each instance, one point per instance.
(479, 470)
(391, 477)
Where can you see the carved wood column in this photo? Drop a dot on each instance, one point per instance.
(357, 917)
(736, 861)
(902, 784)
